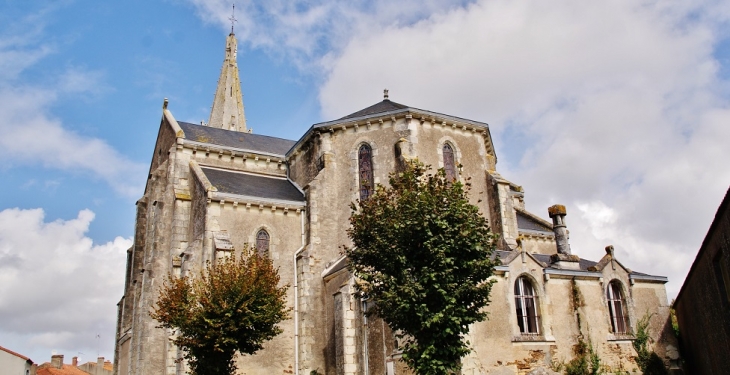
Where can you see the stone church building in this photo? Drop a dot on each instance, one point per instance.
(214, 188)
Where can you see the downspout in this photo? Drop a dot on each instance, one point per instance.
(296, 302)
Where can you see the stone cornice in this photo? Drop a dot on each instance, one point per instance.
(377, 120)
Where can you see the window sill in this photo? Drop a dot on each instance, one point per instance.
(620, 337)
(530, 338)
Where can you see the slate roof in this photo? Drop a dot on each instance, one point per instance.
(545, 258)
(251, 185)
(526, 222)
(230, 138)
(384, 106)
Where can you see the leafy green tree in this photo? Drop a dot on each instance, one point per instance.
(648, 361)
(231, 306)
(422, 254)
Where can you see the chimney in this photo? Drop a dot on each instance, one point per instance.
(557, 213)
(75, 361)
(57, 361)
(100, 365)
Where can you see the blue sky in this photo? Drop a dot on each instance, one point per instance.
(618, 110)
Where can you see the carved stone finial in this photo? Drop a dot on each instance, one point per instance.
(385, 94)
(164, 104)
(609, 250)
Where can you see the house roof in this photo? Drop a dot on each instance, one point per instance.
(229, 138)
(253, 185)
(47, 369)
(14, 353)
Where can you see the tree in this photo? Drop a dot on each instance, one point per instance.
(422, 254)
(233, 305)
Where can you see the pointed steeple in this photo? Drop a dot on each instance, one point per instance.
(227, 112)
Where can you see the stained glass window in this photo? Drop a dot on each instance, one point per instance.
(365, 169)
(262, 243)
(449, 164)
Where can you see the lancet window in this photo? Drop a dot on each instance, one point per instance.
(617, 308)
(262, 243)
(449, 163)
(365, 169)
(527, 308)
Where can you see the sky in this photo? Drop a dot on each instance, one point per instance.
(618, 110)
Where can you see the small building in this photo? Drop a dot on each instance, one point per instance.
(12, 363)
(703, 303)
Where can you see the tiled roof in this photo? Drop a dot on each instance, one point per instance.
(14, 353)
(230, 138)
(384, 106)
(47, 369)
(251, 185)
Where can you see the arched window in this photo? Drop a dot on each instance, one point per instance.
(365, 168)
(526, 303)
(617, 308)
(449, 164)
(262, 243)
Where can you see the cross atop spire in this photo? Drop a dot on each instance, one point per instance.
(232, 18)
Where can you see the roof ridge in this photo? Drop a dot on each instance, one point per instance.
(15, 353)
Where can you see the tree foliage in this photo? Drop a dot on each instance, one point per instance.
(648, 361)
(422, 254)
(231, 306)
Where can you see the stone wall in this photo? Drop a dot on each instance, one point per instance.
(703, 304)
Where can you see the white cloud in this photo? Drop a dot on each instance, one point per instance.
(612, 108)
(311, 33)
(32, 135)
(58, 289)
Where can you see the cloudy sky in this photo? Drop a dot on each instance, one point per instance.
(617, 109)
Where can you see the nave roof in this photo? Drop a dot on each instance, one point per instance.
(230, 138)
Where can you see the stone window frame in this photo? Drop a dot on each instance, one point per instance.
(520, 300)
(615, 326)
(355, 165)
(457, 155)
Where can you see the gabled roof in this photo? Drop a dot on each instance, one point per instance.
(382, 107)
(253, 185)
(15, 354)
(388, 108)
(229, 138)
(530, 222)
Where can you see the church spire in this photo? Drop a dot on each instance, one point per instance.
(227, 112)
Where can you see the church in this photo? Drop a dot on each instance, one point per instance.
(215, 188)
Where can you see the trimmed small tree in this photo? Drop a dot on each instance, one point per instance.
(422, 254)
(231, 306)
